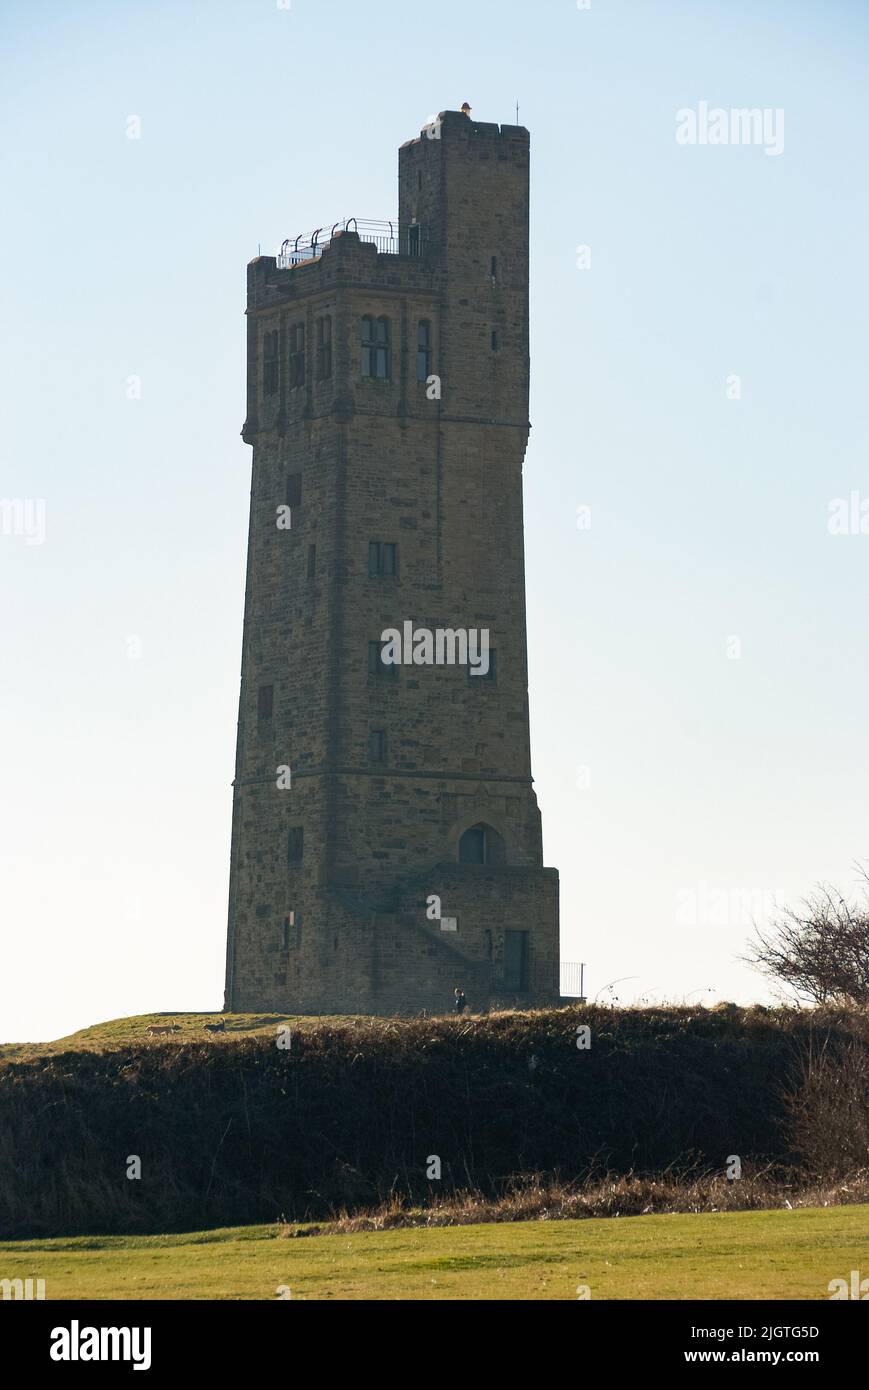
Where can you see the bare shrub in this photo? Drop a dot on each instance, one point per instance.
(820, 950)
(830, 1110)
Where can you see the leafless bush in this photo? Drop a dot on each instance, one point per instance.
(830, 1111)
(820, 950)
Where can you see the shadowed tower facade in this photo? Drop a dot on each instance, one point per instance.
(386, 839)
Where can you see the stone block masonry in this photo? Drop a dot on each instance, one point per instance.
(387, 407)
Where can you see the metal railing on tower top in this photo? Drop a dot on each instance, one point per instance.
(413, 241)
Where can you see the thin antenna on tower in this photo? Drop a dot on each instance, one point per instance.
(517, 113)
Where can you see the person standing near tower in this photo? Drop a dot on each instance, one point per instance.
(461, 1002)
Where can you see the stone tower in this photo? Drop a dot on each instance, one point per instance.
(399, 852)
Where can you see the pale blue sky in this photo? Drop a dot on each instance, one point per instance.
(708, 776)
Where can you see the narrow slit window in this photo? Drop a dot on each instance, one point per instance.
(286, 932)
(294, 490)
(312, 561)
(295, 844)
(265, 702)
(324, 347)
(270, 363)
(376, 665)
(291, 931)
(367, 345)
(423, 350)
(297, 354)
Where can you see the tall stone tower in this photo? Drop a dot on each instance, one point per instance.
(399, 852)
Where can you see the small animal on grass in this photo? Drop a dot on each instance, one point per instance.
(155, 1028)
(216, 1027)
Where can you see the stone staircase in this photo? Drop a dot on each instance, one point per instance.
(412, 959)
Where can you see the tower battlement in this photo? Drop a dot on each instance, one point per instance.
(454, 125)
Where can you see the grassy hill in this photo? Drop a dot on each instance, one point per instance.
(231, 1128)
(768, 1255)
(133, 1031)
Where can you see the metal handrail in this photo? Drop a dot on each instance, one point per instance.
(384, 235)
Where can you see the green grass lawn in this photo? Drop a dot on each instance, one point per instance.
(753, 1255)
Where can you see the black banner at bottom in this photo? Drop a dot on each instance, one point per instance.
(211, 1338)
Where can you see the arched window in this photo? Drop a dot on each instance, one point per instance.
(423, 350)
(481, 845)
(375, 347)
